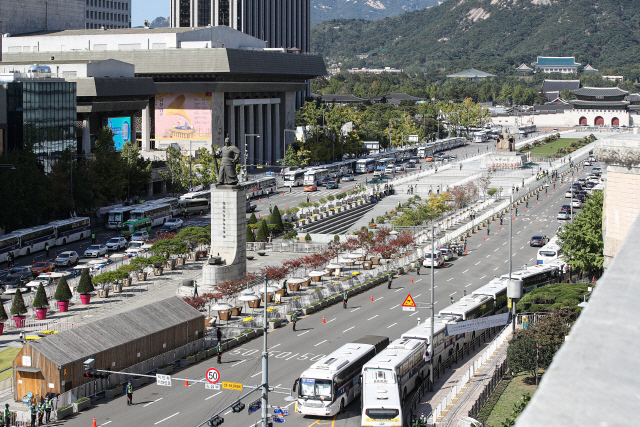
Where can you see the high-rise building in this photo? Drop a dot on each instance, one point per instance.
(281, 23)
(107, 14)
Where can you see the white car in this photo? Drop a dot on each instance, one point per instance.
(389, 169)
(438, 258)
(568, 194)
(67, 258)
(563, 215)
(175, 221)
(140, 235)
(378, 173)
(576, 203)
(348, 177)
(399, 168)
(587, 163)
(95, 251)
(136, 247)
(116, 243)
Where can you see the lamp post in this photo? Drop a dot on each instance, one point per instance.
(246, 152)
(8, 166)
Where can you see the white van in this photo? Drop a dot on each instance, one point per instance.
(438, 258)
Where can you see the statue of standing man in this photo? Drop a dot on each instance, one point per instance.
(229, 155)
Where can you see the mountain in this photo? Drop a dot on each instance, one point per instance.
(324, 10)
(492, 35)
(160, 22)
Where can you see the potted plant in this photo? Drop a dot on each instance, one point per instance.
(85, 287)
(40, 302)
(3, 318)
(128, 269)
(18, 309)
(113, 391)
(140, 263)
(157, 261)
(63, 295)
(80, 404)
(63, 412)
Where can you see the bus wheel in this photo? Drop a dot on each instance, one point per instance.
(64, 241)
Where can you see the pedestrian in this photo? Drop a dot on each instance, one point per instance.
(500, 219)
(46, 248)
(418, 267)
(546, 190)
(40, 412)
(418, 321)
(526, 204)
(389, 285)
(195, 288)
(219, 334)
(186, 212)
(307, 199)
(34, 413)
(465, 292)
(452, 300)
(516, 211)
(6, 414)
(48, 404)
(129, 396)
(460, 166)
(290, 188)
(488, 230)
(345, 299)
(537, 196)
(294, 320)
(267, 194)
(219, 350)
(93, 238)
(408, 189)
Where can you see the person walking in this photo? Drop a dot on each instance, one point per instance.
(219, 350)
(500, 219)
(345, 299)
(6, 414)
(48, 405)
(465, 292)
(294, 320)
(389, 278)
(93, 238)
(418, 267)
(186, 212)
(46, 248)
(9, 259)
(488, 230)
(34, 413)
(129, 395)
(195, 288)
(290, 188)
(219, 334)
(452, 300)
(516, 211)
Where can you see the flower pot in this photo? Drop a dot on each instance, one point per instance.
(236, 311)
(63, 306)
(281, 292)
(166, 370)
(269, 297)
(126, 282)
(77, 407)
(366, 265)
(224, 314)
(137, 382)
(116, 287)
(254, 303)
(85, 299)
(274, 325)
(375, 261)
(142, 276)
(41, 313)
(110, 393)
(294, 287)
(172, 264)
(158, 271)
(103, 293)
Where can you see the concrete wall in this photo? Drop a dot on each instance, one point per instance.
(108, 68)
(569, 118)
(19, 17)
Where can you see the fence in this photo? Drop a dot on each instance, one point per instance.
(488, 389)
(525, 320)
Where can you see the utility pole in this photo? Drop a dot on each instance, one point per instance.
(513, 300)
(433, 310)
(265, 360)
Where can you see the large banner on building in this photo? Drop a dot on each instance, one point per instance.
(121, 128)
(183, 116)
(475, 324)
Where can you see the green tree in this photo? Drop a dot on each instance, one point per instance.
(263, 232)
(138, 169)
(521, 354)
(276, 219)
(291, 157)
(40, 300)
(581, 240)
(506, 94)
(205, 167)
(179, 174)
(107, 171)
(194, 236)
(175, 246)
(17, 307)
(250, 236)
(85, 286)
(3, 314)
(252, 219)
(63, 293)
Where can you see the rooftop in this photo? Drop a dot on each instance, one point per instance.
(471, 73)
(562, 61)
(524, 67)
(599, 91)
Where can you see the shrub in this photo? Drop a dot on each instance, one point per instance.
(157, 261)
(293, 234)
(263, 232)
(307, 238)
(82, 399)
(323, 200)
(287, 225)
(252, 219)
(18, 308)
(276, 220)
(331, 198)
(63, 293)
(40, 300)
(85, 286)
(62, 408)
(3, 314)
(492, 191)
(250, 236)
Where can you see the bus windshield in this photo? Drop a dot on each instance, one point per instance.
(315, 389)
(115, 216)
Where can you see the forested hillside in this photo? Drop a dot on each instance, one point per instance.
(323, 10)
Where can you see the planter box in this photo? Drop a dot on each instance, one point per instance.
(251, 335)
(127, 282)
(137, 382)
(236, 311)
(103, 293)
(323, 304)
(274, 325)
(64, 413)
(77, 407)
(158, 271)
(142, 276)
(289, 316)
(308, 310)
(367, 265)
(116, 288)
(201, 356)
(254, 304)
(241, 339)
(165, 371)
(187, 362)
(224, 315)
(211, 352)
(109, 394)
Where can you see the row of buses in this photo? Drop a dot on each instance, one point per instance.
(430, 148)
(384, 377)
(312, 175)
(368, 163)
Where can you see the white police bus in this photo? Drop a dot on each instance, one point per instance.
(158, 214)
(71, 230)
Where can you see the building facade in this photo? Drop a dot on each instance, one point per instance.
(107, 14)
(601, 106)
(281, 23)
(555, 64)
(40, 15)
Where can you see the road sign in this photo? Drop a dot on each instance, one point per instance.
(163, 380)
(280, 411)
(409, 304)
(277, 419)
(254, 406)
(213, 375)
(232, 386)
(212, 386)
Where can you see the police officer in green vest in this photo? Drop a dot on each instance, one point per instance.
(40, 412)
(345, 299)
(418, 267)
(46, 248)
(48, 404)
(93, 238)
(34, 413)
(129, 393)
(6, 414)
(294, 320)
(219, 349)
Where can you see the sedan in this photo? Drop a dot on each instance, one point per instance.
(42, 267)
(67, 258)
(576, 203)
(17, 275)
(587, 163)
(399, 168)
(332, 185)
(563, 215)
(140, 235)
(348, 177)
(310, 187)
(389, 170)
(538, 241)
(176, 221)
(168, 228)
(568, 194)
(429, 158)
(411, 165)
(116, 243)
(95, 251)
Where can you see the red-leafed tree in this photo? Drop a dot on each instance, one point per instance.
(274, 272)
(293, 265)
(404, 240)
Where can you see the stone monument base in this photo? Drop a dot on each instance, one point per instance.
(503, 160)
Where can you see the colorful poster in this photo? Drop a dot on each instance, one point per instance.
(183, 116)
(121, 128)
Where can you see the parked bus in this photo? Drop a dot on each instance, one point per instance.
(381, 404)
(365, 165)
(34, 239)
(9, 244)
(534, 277)
(381, 164)
(313, 176)
(158, 214)
(133, 225)
(193, 206)
(71, 230)
(496, 289)
(119, 215)
(259, 187)
(549, 252)
(470, 307)
(444, 344)
(171, 201)
(204, 194)
(331, 383)
(481, 136)
(526, 129)
(294, 178)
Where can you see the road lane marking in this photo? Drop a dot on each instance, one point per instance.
(419, 280)
(495, 269)
(105, 423)
(399, 290)
(214, 395)
(496, 250)
(453, 293)
(356, 309)
(478, 262)
(255, 375)
(522, 248)
(488, 256)
(171, 416)
(236, 364)
(465, 271)
(291, 357)
(271, 348)
(321, 342)
(448, 280)
(418, 295)
(304, 333)
(483, 277)
(506, 260)
(348, 329)
(394, 307)
(372, 317)
(151, 403)
(332, 320)
(391, 325)
(468, 285)
(504, 243)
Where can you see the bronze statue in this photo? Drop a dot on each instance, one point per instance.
(229, 155)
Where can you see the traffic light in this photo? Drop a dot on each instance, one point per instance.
(216, 421)
(238, 407)
(90, 373)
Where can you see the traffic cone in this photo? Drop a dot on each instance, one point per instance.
(465, 251)
(500, 228)
(94, 422)
(411, 279)
(283, 193)
(323, 320)
(484, 239)
(444, 264)
(186, 381)
(287, 206)
(258, 215)
(371, 297)
(200, 214)
(259, 200)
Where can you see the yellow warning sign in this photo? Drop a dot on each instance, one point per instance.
(409, 304)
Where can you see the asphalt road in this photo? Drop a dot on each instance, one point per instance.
(292, 352)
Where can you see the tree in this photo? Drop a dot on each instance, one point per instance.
(175, 246)
(179, 173)
(40, 300)
(17, 307)
(263, 232)
(521, 354)
(3, 314)
(205, 168)
(250, 236)
(276, 219)
(63, 293)
(85, 286)
(194, 236)
(581, 240)
(291, 157)
(108, 171)
(252, 219)
(138, 169)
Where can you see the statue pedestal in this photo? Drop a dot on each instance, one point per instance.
(228, 236)
(503, 160)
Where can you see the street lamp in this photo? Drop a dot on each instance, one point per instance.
(8, 166)
(246, 153)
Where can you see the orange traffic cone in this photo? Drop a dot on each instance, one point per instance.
(323, 320)
(259, 200)
(371, 297)
(500, 228)
(484, 239)
(287, 206)
(200, 214)
(465, 251)
(94, 422)
(283, 193)
(444, 264)
(186, 381)
(411, 279)
(513, 219)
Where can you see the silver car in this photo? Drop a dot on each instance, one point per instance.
(95, 251)
(116, 243)
(67, 258)
(563, 215)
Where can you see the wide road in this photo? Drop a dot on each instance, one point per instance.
(292, 352)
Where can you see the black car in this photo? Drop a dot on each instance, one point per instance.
(17, 275)
(538, 241)
(168, 228)
(566, 208)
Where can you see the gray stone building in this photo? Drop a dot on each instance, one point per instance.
(107, 14)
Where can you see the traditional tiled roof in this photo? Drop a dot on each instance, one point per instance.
(347, 97)
(471, 73)
(559, 85)
(524, 67)
(633, 98)
(552, 107)
(583, 103)
(589, 69)
(566, 61)
(599, 91)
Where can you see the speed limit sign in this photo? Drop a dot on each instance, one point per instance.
(213, 375)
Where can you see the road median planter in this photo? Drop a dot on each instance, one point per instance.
(113, 391)
(139, 381)
(165, 370)
(274, 324)
(64, 413)
(201, 355)
(81, 404)
(187, 361)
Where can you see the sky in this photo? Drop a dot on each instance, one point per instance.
(149, 10)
